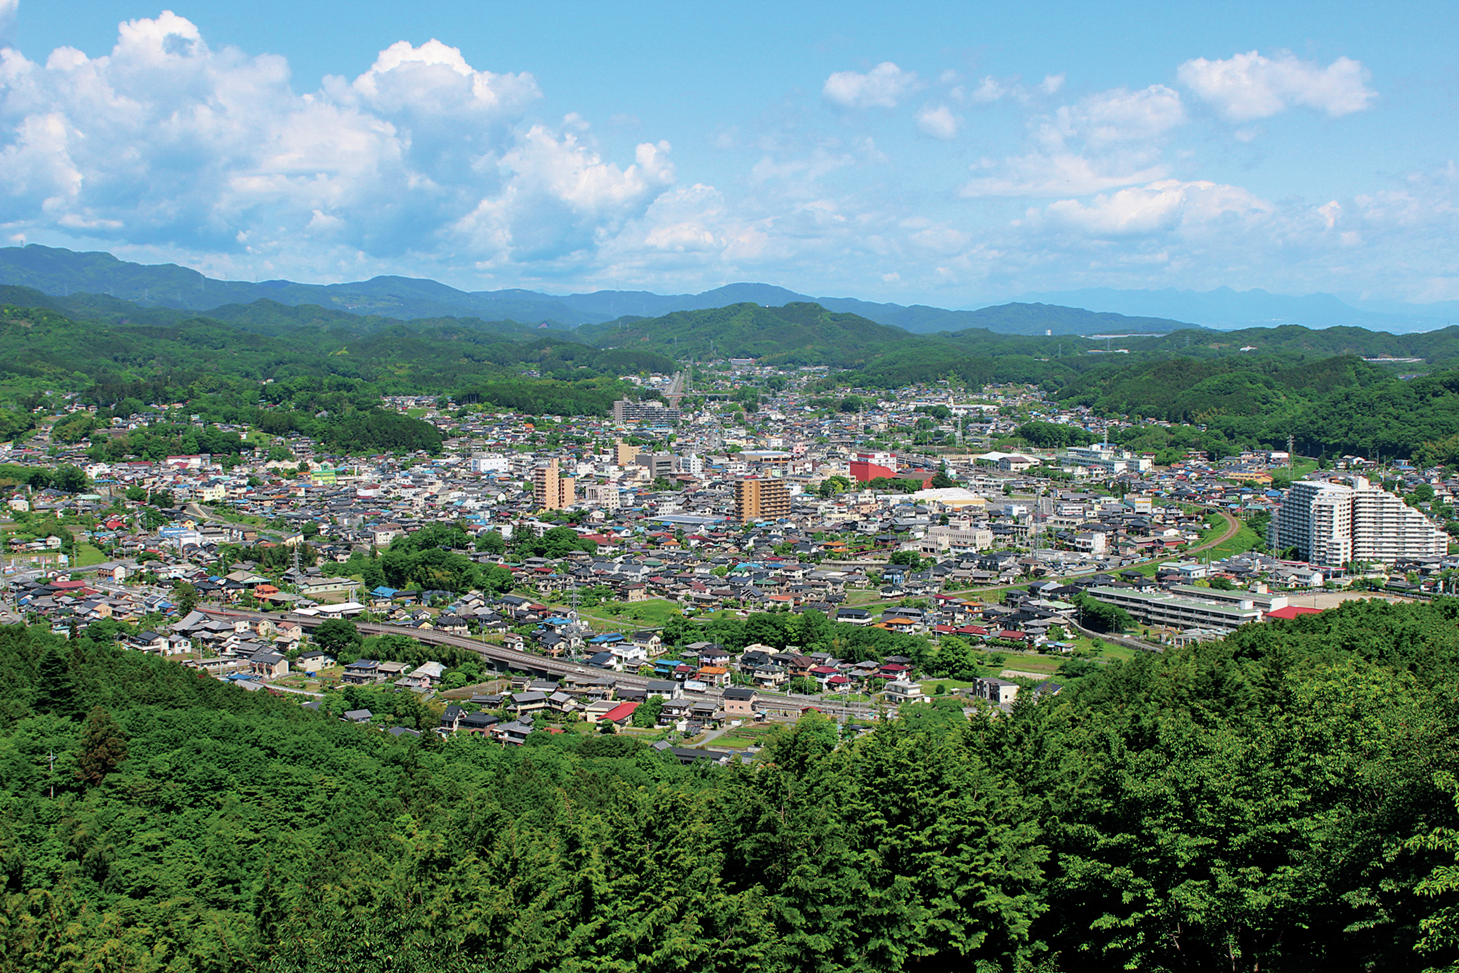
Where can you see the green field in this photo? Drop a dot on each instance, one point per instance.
(1242, 541)
(741, 737)
(653, 613)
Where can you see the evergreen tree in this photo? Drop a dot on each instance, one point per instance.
(103, 747)
(56, 690)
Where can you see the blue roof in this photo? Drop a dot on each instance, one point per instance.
(385, 592)
(606, 638)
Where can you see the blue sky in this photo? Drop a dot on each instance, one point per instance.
(941, 153)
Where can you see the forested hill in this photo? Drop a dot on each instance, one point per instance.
(1339, 405)
(63, 273)
(796, 334)
(1282, 800)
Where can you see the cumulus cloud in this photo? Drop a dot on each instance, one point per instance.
(884, 86)
(1103, 141)
(937, 121)
(165, 141)
(1120, 115)
(1251, 86)
(1163, 205)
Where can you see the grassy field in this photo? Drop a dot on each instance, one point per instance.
(741, 737)
(87, 555)
(1239, 543)
(1301, 466)
(653, 613)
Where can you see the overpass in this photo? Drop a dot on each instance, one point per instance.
(499, 656)
(786, 704)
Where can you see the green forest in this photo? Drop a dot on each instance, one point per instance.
(1282, 800)
(319, 371)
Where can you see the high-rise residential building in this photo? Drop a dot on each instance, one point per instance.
(757, 499)
(550, 489)
(1387, 529)
(1335, 523)
(653, 413)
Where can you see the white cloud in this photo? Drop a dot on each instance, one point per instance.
(7, 12)
(1120, 115)
(937, 121)
(884, 86)
(1250, 86)
(1103, 141)
(1062, 173)
(1163, 205)
(166, 142)
(992, 89)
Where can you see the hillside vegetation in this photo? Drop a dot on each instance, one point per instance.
(1283, 800)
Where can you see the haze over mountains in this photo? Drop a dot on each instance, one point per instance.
(1094, 311)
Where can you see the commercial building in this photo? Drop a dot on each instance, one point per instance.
(868, 466)
(550, 489)
(1337, 523)
(761, 500)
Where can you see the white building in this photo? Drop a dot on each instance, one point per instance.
(489, 463)
(1336, 523)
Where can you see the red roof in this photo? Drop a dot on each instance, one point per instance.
(619, 713)
(1292, 611)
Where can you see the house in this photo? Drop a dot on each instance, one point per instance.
(514, 733)
(619, 714)
(666, 688)
(362, 672)
(740, 702)
(269, 664)
(424, 676)
(528, 702)
(901, 691)
(478, 723)
(451, 718)
(995, 691)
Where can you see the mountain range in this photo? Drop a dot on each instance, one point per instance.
(1087, 312)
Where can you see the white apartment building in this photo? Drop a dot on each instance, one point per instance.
(604, 496)
(1335, 523)
(489, 463)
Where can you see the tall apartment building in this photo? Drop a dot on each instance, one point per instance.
(653, 413)
(550, 489)
(761, 500)
(1335, 523)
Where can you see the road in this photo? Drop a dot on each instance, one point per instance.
(675, 391)
(784, 704)
(510, 658)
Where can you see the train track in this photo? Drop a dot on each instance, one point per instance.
(510, 658)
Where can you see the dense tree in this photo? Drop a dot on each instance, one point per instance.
(336, 636)
(103, 748)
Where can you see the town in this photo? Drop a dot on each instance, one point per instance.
(703, 561)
